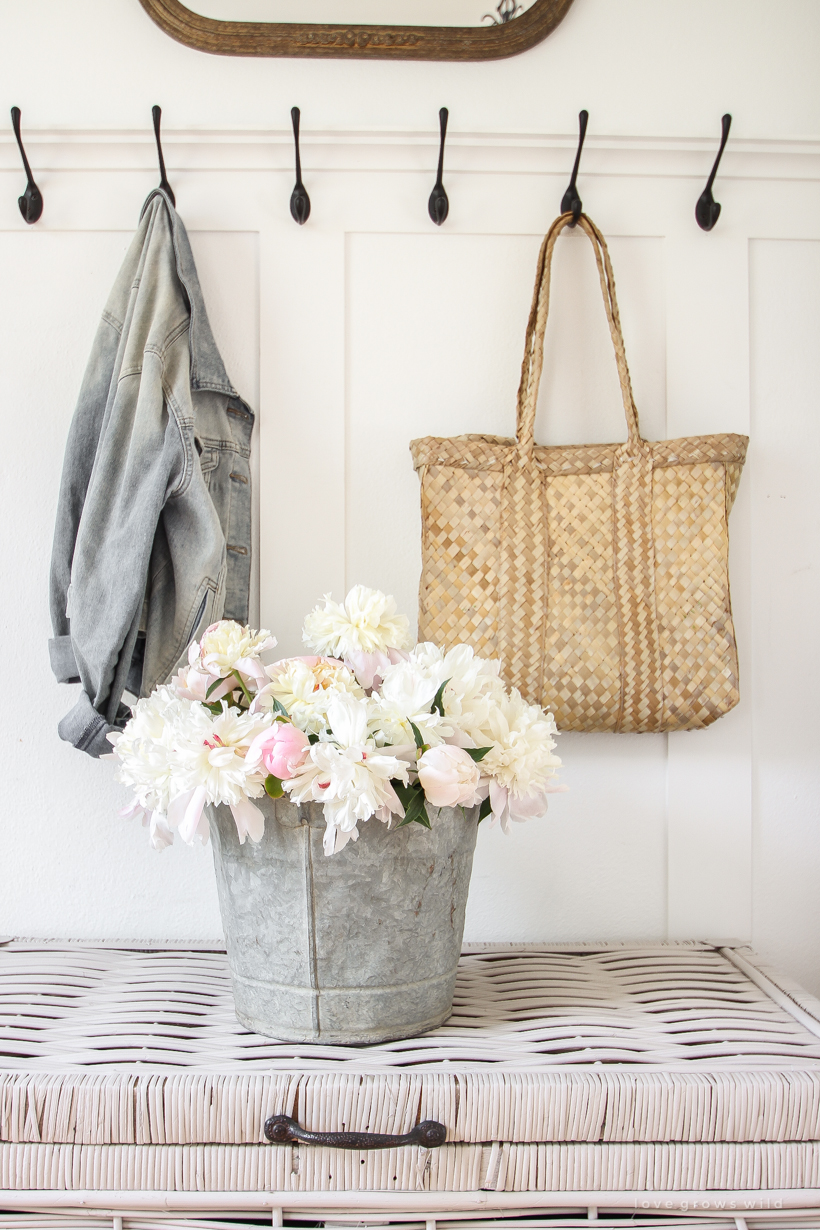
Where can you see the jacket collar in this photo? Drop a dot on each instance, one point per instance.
(207, 369)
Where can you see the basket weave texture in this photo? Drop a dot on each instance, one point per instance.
(597, 574)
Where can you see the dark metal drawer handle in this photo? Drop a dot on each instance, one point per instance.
(281, 1130)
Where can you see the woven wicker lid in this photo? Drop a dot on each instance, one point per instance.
(594, 1043)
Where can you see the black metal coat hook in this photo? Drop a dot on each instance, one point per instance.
(299, 199)
(31, 202)
(707, 210)
(570, 201)
(438, 206)
(163, 178)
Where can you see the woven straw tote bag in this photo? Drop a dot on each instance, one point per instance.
(597, 574)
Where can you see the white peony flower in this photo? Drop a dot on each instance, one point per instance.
(520, 763)
(450, 777)
(366, 623)
(406, 695)
(348, 774)
(146, 750)
(304, 687)
(228, 646)
(211, 756)
(176, 756)
(473, 689)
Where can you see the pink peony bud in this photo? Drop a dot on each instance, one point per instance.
(282, 749)
(449, 776)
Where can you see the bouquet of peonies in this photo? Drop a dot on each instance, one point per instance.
(365, 726)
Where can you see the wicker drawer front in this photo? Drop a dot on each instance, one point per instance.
(453, 1168)
(565, 1106)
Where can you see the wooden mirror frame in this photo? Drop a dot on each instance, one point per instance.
(268, 38)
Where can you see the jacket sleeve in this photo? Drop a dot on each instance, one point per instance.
(81, 449)
(140, 460)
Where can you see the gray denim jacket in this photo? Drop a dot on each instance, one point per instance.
(153, 535)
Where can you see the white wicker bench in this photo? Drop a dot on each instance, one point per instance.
(592, 1080)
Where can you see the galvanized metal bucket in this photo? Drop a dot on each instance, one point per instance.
(358, 947)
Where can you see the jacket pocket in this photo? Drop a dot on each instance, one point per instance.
(205, 610)
(198, 617)
(208, 460)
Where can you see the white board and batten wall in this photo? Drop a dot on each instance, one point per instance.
(370, 326)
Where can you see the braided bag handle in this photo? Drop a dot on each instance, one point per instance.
(533, 363)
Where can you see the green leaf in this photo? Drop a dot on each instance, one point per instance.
(410, 798)
(313, 738)
(405, 793)
(273, 786)
(413, 802)
(213, 687)
(422, 818)
(477, 753)
(438, 701)
(411, 808)
(417, 735)
(278, 707)
(485, 809)
(215, 707)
